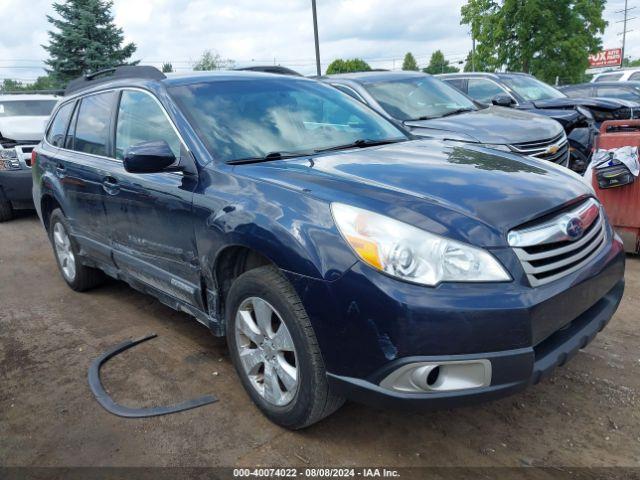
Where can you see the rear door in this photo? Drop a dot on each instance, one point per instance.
(149, 214)
(81, 164)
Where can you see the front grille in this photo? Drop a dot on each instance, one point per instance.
(554, 150)
(546, 251)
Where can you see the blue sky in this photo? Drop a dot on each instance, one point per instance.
(268, 31)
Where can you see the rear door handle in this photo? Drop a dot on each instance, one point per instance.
(61, 170)
(110, 185)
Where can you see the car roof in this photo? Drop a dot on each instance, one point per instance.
(375, 76)
(9, 97)
(483, 74)
(605, 84)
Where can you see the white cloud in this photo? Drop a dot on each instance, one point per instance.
(264, 31)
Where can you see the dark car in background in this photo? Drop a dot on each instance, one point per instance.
(430, 108)
(340, 258)
(619, 90)
(22, 121)
(581, 117)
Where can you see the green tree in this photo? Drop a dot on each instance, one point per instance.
(86, 40)
(167, 67)
(211, 60)
(547, 38)
(10, 85)
(346, 66)
(438, 64)
(627, 62)
(409, 62)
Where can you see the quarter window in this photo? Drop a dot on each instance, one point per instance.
(634, 76)
(92, 127)
(141, 119)
(483, 90)
(58, 127)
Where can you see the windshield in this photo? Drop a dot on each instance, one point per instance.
(532, 89)
(239, 119)
(419, 97)
(23, 108)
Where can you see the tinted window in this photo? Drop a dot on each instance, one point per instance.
(609, 78)
(418, 97)
(483, 90)
(576, 92)
(141, 119)
(456, 83)
(618, 92)
(58, 127)
(24, 108)
(240, 119)
(634, 76)
(92, 127)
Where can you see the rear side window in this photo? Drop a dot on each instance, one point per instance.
(634, 76)
(58, 128)
(92, 127)
(609, 78)
(618, 92)
(141, 119)
(483, 90)
(576, 92)
(456, 83)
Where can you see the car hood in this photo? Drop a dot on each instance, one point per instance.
(23, 128)
(496, 125)
(472, 193)
(590, 102)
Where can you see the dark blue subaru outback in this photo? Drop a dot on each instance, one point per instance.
(340, 257)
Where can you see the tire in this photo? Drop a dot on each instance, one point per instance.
(6, 211)
(311, 400)
(65, 249)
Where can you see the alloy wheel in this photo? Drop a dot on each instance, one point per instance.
(266, 351)
(64, 252)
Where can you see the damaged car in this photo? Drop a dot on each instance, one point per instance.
(22, 121)
(581, 117)
(340, 257)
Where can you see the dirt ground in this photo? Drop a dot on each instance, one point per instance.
(587, 414)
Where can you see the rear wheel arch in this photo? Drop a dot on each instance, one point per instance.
(48, 203)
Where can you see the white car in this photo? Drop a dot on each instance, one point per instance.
(22, 121)
(624, 75)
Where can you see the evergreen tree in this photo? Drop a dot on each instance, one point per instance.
(167, 67)
(438, 64)
(409, 62)
(86, 40)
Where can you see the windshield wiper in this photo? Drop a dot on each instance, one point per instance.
(457, 111)
(360, 143)
(268, 157)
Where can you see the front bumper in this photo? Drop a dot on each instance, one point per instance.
(15, 187)
(369, 324)
(512, 370)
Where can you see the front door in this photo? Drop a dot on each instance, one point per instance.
(150, 214)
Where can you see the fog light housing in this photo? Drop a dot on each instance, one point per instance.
(432, 377)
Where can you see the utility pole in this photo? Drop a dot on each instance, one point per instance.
(315, 34)
(624, 27)
(473, 52)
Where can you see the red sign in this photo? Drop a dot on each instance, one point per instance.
(606, 58)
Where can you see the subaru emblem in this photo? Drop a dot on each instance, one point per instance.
(573, 228)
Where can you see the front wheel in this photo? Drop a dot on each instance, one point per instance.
(275, 351)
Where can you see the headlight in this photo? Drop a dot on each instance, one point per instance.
(585, 112)
(411, 254)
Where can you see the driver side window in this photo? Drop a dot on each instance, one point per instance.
(141, 119)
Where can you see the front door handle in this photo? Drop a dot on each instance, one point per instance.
(61, 170)
(110, 185)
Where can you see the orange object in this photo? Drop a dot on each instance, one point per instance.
(622, 204)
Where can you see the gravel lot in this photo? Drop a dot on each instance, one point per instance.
(587, 414)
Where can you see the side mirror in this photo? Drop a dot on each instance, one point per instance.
(148, 157)
(502, 100)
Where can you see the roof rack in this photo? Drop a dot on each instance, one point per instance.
(108, 74)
